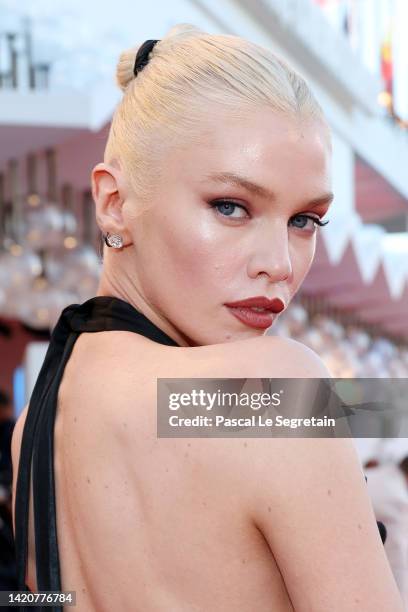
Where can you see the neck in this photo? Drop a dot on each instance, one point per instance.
(120, 285)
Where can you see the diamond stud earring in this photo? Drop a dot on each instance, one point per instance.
(114, 241)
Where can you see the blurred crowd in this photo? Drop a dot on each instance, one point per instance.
(347, 350)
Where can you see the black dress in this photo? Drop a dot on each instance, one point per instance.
(37, 448)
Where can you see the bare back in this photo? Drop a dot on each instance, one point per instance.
(147, 523)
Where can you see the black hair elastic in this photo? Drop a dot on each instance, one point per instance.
(142, 56)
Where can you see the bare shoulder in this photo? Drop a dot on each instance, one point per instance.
(124, 358)
(265, 356)
(309, 499)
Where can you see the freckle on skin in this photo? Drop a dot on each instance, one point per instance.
(359, 526)
(88, 479)
(243, 561)
(124, 424)
(269, 509)
(329, 492)
(75, 419)
(245, 444)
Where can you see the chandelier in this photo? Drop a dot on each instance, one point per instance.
(48, 239)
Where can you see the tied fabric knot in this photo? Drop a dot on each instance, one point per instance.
(63, 328)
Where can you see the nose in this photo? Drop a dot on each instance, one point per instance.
(271, 254)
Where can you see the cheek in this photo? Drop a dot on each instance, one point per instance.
(302, 255)
(187, 255)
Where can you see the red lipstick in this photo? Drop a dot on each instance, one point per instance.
(258, 319)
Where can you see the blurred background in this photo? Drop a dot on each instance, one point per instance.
(57, 95)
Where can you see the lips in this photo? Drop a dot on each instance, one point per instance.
(252, 318)
(275, 305)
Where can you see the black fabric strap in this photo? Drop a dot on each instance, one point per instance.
(37, 445)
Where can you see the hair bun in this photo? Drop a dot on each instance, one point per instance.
(125, 70)
(126, 63)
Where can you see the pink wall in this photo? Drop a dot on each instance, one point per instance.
(77, 156)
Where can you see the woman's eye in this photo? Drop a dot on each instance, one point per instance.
(226, 208)
(304, 220)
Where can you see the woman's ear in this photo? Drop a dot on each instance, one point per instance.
(109, 193)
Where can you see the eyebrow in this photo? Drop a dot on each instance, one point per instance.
(234, 179)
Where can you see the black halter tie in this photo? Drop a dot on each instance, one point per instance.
(37, 444)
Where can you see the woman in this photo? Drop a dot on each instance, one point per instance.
(215, 177)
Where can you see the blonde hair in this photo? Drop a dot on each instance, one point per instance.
(188, 69)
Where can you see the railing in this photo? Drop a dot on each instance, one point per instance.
(18, 70)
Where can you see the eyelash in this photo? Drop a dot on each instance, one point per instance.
(216, 203)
